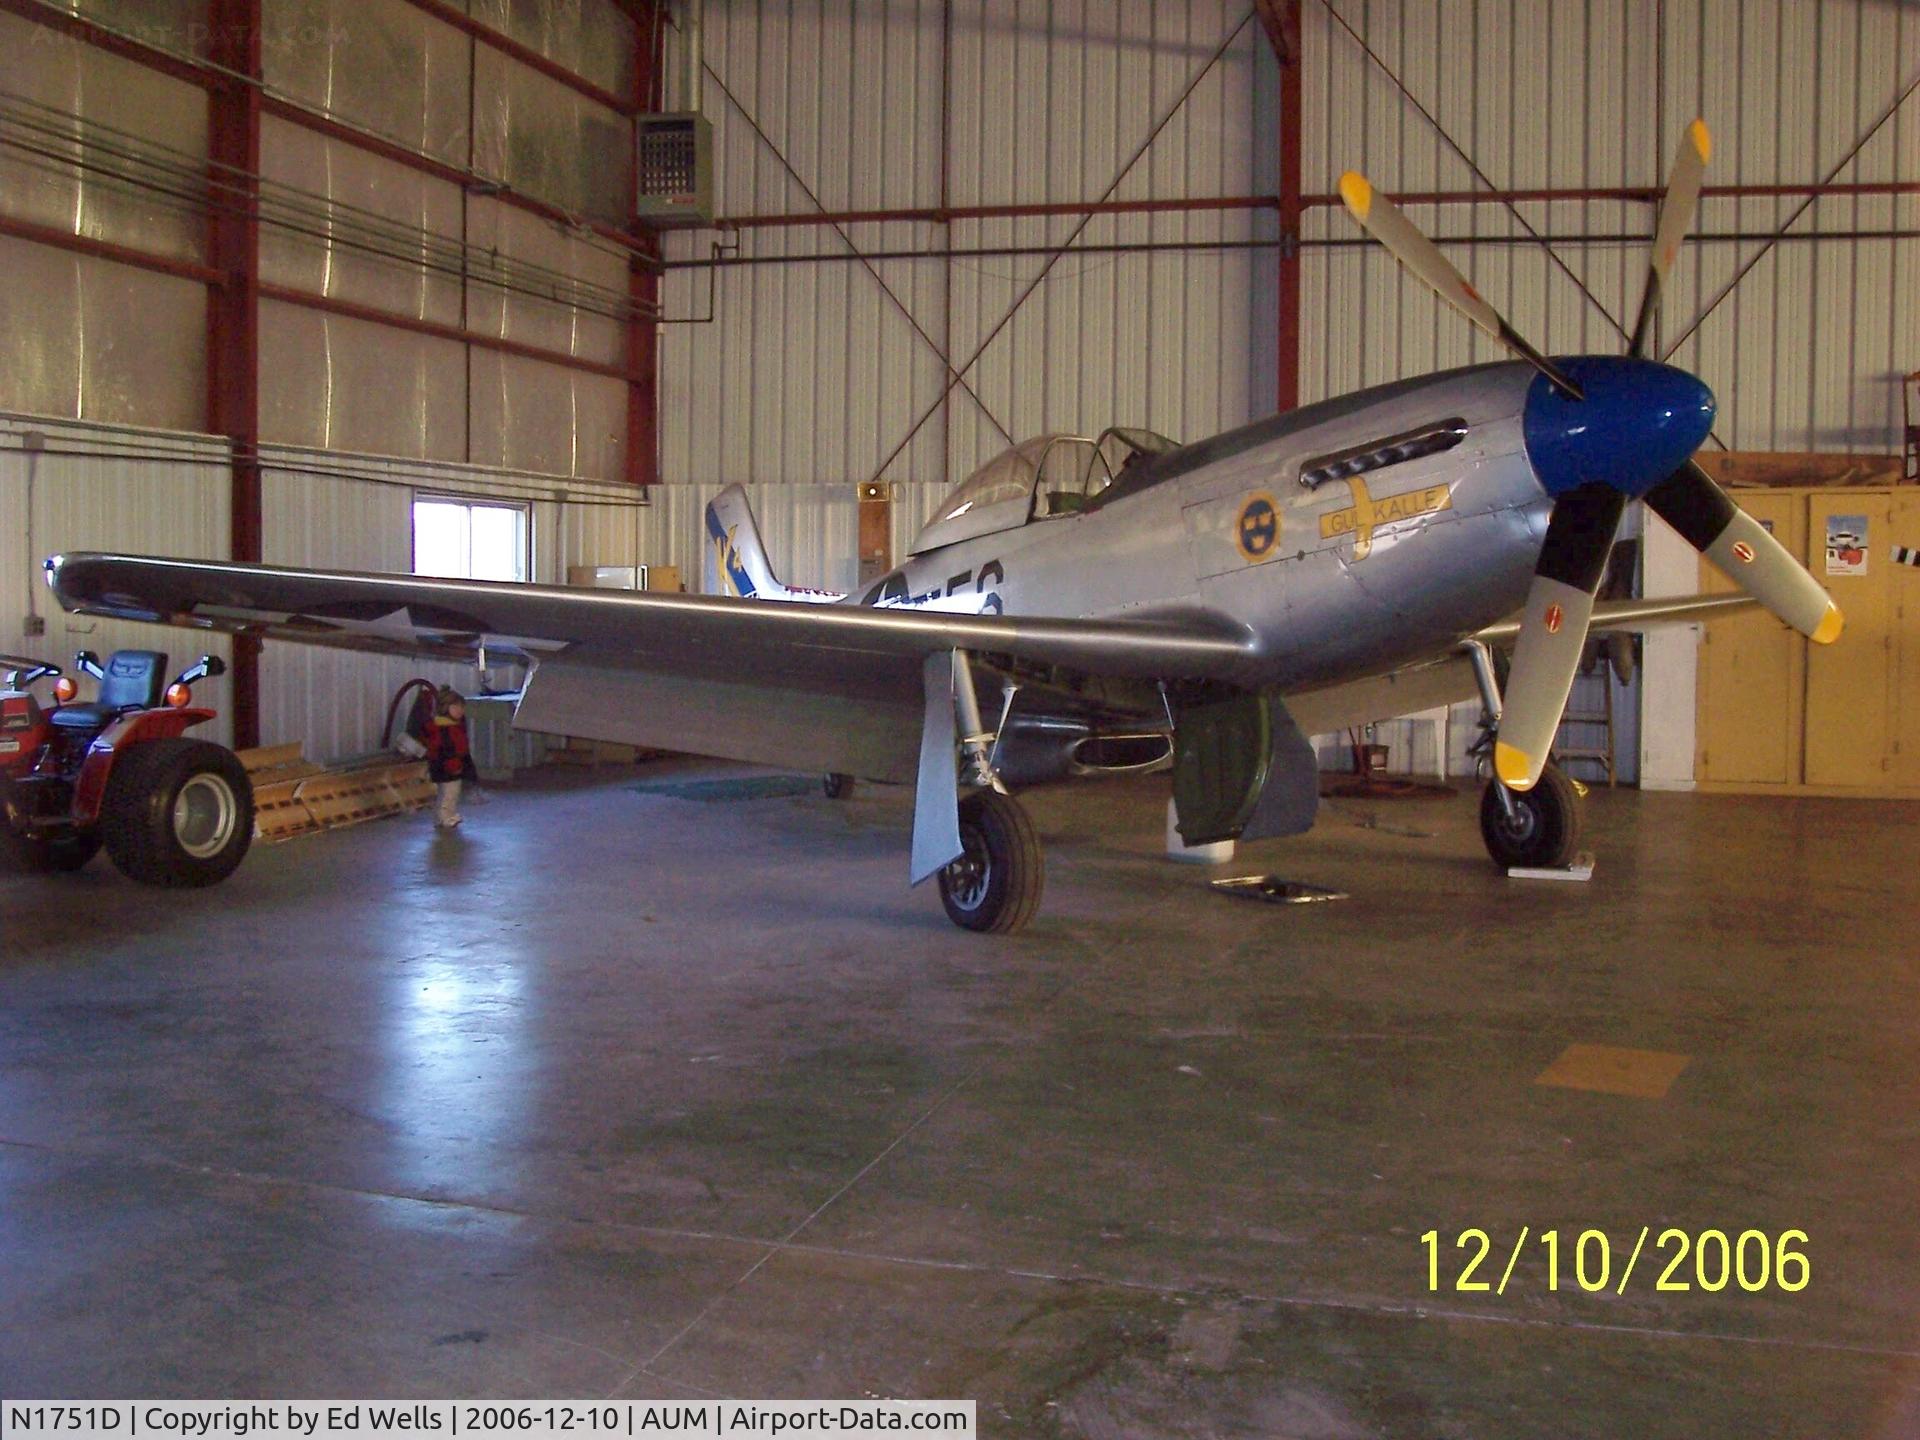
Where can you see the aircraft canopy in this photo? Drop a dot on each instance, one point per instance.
(1038, 479)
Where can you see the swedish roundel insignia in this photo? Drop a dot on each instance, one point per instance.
(1258, 529)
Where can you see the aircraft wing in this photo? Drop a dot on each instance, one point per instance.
(1640, 614)
(1450, 680)
(832, 687)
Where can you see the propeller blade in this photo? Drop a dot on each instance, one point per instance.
(1553, 630)
(1743, 550)
(1379, 217)
(1676, 217)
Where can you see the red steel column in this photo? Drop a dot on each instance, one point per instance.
(1286, 38)
(643, 365)
(643, 274)
(233, 307)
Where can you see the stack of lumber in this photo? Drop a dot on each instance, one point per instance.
(293, 796)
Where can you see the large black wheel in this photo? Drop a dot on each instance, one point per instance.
(836, 786)
(1544, 829)
(61, 855)
(178, 813)
(995, 884)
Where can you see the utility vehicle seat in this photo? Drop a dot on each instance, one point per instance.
(134, 680)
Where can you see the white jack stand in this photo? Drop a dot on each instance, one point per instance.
(1581, 870)
(1218, 853)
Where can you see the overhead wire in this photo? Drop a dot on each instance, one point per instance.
(58, 143)
(527, 491)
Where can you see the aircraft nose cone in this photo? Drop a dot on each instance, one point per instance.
(1640, 421)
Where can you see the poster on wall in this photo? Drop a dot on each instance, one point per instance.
(1846, 544)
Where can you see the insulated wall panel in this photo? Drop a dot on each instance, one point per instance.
(90, 339)
(379, 65)
(76, 121)
(334, 382)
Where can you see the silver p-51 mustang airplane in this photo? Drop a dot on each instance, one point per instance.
(1119, 601)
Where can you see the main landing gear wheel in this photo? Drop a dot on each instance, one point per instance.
(836, 786)
(995, 884)
(57, 856)
(178, 813)
(1544, 829)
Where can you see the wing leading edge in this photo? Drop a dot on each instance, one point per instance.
(452, 619)
(830, 687)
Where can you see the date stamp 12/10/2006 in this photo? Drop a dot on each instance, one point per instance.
(1595, 1262)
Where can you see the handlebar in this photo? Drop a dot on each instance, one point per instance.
(26, 672)
(206, 667)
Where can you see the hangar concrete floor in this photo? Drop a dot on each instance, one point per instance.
(618, 1093)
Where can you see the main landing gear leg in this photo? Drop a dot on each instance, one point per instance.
(995, 883)
(1537, 829)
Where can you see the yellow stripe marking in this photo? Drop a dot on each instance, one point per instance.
(1360, 518)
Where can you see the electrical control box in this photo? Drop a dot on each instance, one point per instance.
(674, 166)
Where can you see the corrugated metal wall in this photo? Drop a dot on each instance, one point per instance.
(1805, 353)
(817, 372)
(91, 487)
(329, 510)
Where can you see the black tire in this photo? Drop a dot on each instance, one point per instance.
(995, 885)
(1545, 831)
(836, 785)
(178, 813)
(59, 856)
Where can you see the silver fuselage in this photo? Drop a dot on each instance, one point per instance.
(1360, 576)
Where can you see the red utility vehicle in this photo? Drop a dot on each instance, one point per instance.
(117, 771)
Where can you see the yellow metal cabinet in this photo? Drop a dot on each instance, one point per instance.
(1849, 734)
(1751, 672)
(1904, 583)
(1777, 713)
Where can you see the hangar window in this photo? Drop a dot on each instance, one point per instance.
(1378, 454)
(460, 539)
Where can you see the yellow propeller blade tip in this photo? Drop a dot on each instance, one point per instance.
(1514, 766)
(1358, 194)
(1830, 626)
(1702, 140)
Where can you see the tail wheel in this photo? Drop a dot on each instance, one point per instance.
(62, 855)
(178, 813)
(836, 785)
(995, 884)
(1543, 832)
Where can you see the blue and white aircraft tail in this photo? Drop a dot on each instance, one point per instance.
(740, 556)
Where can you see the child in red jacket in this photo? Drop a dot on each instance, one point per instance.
(449, 757)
